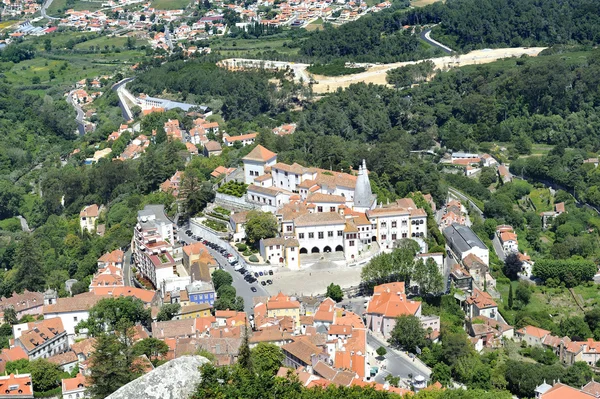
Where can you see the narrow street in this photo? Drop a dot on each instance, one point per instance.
(242, 287)
(397, 363)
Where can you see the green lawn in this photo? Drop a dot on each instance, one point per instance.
(556, 302)
(60, 6)
(70, 68)
(238, 47)
(542, 199)
(103, 41)
(170, 4)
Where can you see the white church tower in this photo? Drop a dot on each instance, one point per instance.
(364, 199)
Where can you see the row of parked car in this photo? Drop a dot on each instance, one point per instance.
(230, 257)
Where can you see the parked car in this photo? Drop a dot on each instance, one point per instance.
(270, 272)
(255, 274)
(260, 273)
(269, 282)
(263, 283)
(234, 262)
(253, 289)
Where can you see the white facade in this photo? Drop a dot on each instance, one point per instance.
(70, 321)
(269, 198)
(392, 226)
(255, 168)
(323, 238)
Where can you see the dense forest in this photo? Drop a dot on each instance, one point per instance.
(470, 24)
(375, 38)
(241, 95)
(464, 25)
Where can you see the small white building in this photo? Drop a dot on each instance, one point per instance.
(281, 251)
(72, 311)
(88, 218)
(256, 161)
(245, 139)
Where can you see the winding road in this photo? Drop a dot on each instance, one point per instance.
(80, 113)
(426, 36)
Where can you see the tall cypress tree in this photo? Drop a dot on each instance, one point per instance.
(244, 359)
(510, 297)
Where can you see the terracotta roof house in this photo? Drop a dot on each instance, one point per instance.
(74, 388)
(114, 258)
(212, 148)
(302, 353)
(532, 335)
(481, 304)
(387, 303)
(11, 355)
(43, 339)
(16, 386)
(28, 302)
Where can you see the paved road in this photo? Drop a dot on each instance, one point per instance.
(426, 36)
(397, 363)
(80, 113)
(24, 225)
(43, 9)
(127, 268)
(464, 198)
(242, 287)
(498, 248)
(116, 88)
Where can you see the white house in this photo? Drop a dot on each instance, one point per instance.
(400, 220)
(245, 139)
(463, 241)
(256, 161)
(88, 217)
(72, 311)
(481, 304)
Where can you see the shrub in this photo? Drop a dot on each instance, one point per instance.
(241, 247)
(253, 258)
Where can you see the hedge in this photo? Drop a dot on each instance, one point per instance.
(571, 271)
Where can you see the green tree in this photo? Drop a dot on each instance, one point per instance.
(10, 315)
(510, 296)
(442, 373)
(168, 311)
(18, 366)
(512, 266)
(575, 328)
(47, 44)
(381, 351)
(408, 333)
(334, 292)
(244, 353)
(488, 176)
(221, 278)
(151, 347)
(266, 358)
(523, 293)
(455, 346)
(28, 262)
(110, 365)
(260, 225)
(44, 375)
(108, 313)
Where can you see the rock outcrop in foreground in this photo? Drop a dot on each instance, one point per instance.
(176, 379)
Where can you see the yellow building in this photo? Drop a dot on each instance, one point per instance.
(194, 311)
(282, 305)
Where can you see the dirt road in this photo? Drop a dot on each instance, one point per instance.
(377, 73)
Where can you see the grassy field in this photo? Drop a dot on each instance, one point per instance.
(6, 24)
(239, 47)
(422, 3)
(61, 5)
(315, 25)
(103, 41)
(542, 199)
(556, 302)
(170, 4)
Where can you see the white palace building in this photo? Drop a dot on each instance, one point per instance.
(323, 211)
